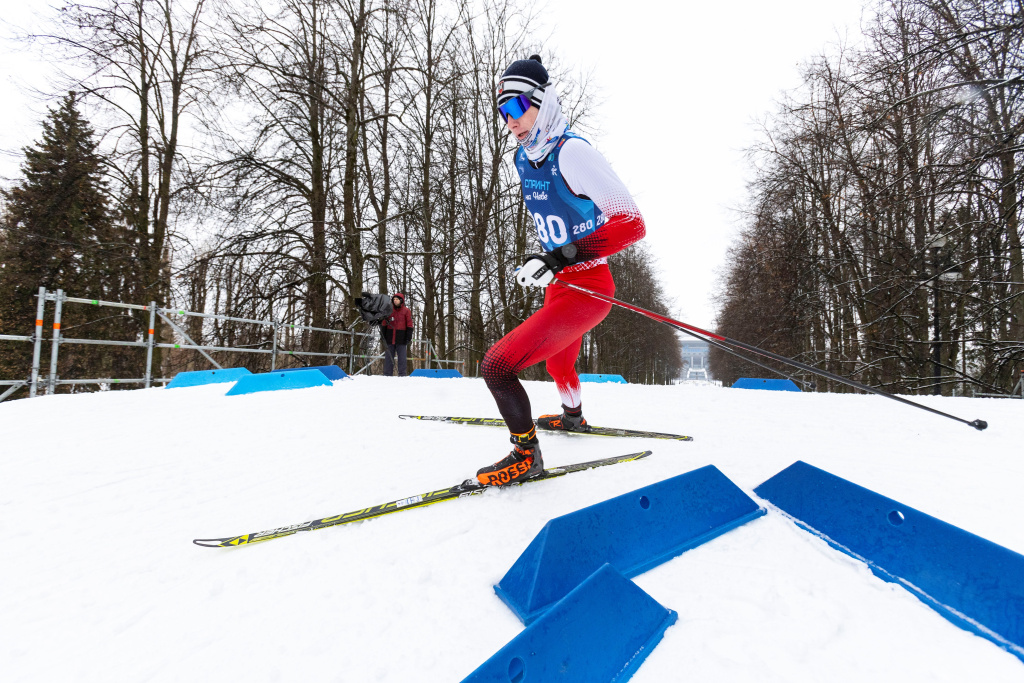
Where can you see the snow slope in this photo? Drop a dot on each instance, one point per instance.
(101, 494)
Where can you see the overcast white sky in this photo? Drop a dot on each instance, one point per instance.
(683, 85)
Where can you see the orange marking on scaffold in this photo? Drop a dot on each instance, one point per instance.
(39, 323)
(56, 326)
(151, 331)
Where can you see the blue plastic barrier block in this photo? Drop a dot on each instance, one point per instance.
(974, 583)
(197, 378)
(331, 372)
(633, 532)
(275, 381)
(769, 384)
(601, 631)
(433, 372)
(591, 377)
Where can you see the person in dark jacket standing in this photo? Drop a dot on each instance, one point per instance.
(397, 332)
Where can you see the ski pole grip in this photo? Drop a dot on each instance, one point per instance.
(979, 424)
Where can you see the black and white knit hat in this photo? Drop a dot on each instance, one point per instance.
(520, 76)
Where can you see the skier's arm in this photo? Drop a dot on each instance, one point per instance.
(588, 174)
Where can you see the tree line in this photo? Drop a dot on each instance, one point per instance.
(273, 160)
(882, 237)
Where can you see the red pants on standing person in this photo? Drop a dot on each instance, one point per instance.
(555, 334)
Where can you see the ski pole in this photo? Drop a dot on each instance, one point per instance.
(705, 335)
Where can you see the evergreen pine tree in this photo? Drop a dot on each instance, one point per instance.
(57, 231)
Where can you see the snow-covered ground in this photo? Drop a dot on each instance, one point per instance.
(101, 495)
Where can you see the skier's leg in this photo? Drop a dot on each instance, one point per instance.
(560, 323)
(562, 368)
(539, 336)
(389, 359)
(562, 365)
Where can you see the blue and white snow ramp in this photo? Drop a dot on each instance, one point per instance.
(633, 532)
(600, 632)
(195, 378)
(769, 384)
(976, 584)
(331, 372)
(435, 372)
(275, 381)
(592, 377)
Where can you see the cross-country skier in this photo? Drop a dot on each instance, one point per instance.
(583, 214)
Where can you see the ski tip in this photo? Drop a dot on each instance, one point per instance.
(229, 542)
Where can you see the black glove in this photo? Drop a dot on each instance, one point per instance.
(539, 269)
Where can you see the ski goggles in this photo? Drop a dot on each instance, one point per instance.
(518, 105)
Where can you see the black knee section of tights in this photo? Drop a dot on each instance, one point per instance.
(509, 394)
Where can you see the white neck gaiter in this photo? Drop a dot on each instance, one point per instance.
(551, 124)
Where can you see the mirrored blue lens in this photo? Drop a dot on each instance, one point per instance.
(515, 107)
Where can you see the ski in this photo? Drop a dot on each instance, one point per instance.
(467, 488)
(594, 431)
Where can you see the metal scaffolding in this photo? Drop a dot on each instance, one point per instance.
(59, 299)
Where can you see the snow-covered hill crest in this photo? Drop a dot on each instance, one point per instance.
(102, 494)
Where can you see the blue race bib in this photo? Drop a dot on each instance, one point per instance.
(559, 215)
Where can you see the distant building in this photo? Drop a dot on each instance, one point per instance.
(695, 355)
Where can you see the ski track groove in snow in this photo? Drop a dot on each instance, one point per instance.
(101, 495)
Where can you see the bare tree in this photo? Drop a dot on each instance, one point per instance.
(147, 62)
(281, 163)
(893, 170)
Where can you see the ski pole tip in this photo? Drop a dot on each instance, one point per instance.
(979, 424)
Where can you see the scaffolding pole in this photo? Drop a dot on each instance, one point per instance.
(149, 343)
(51, 386)
(189, 339)
(273, 355)
(37, 342)
(10, 390)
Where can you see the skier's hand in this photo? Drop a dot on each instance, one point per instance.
(538, 271)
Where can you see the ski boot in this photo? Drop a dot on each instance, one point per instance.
(571, 420)
(524, 462)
